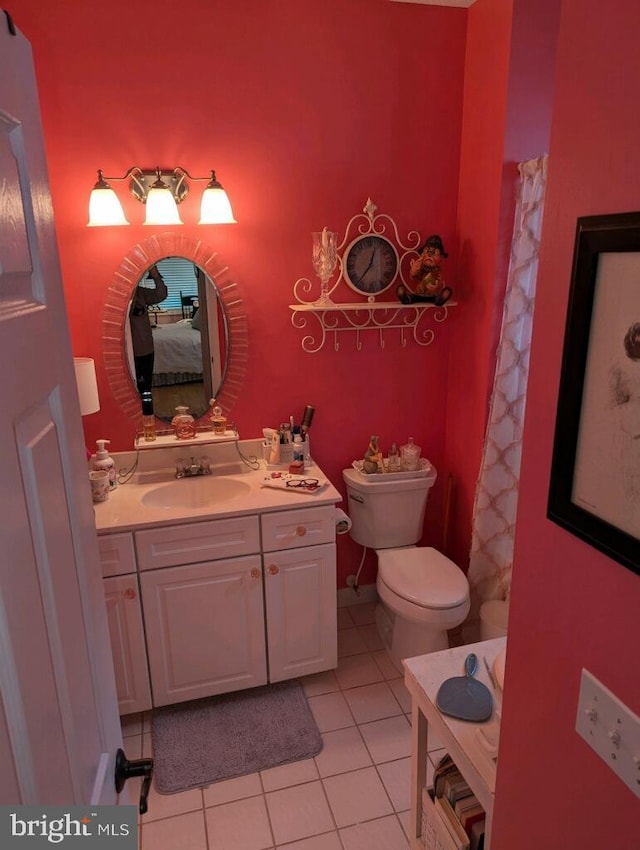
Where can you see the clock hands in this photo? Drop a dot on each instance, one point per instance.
(369, 264)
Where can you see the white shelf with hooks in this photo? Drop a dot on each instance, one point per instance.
(414, 321)
(411, 320)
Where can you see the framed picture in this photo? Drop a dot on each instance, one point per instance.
(595, 473)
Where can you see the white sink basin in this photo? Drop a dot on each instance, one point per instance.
(197, 492)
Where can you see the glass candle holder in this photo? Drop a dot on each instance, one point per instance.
(325, 256)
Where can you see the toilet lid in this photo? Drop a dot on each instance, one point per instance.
(424, 576)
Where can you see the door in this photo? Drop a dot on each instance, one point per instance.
(59, 725)
(205, 628)
(301, 606)
(128, 647)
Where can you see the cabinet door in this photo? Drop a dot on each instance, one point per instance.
(127, 643)
(301, 605)
(205, 628)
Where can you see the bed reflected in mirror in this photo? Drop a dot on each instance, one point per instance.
(189, 336)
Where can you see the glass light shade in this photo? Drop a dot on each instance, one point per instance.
(161, 208)
(216, 207)
(85, 369)
(105, 208)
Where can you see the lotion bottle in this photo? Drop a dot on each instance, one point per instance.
(105, 461)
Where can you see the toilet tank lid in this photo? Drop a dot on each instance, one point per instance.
(424, 576)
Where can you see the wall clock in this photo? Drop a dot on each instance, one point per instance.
(370, 264)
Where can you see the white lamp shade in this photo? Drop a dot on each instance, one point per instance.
(161, 208)
(85, 369)
(105, 208)
(216, 207)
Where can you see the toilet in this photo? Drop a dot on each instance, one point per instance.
(422, 594)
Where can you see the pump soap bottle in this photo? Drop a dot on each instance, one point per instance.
(105, 461)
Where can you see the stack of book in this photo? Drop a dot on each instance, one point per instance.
(452, 817)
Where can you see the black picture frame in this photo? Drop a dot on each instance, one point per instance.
(594, 488)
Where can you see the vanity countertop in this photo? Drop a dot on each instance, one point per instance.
(125, 509)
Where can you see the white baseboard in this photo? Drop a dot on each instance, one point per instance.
(349, 596)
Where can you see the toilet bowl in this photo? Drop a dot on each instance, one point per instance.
(422, 594)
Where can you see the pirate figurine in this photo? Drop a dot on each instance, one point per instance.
(425, 270)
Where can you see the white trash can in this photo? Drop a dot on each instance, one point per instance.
(494, 616)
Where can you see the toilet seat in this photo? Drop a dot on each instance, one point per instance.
(423, 576)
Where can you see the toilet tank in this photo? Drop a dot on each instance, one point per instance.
(386, 511)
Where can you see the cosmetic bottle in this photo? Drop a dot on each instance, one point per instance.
(298, 449)
(307, 418)
(393, 460)
(104, 461)
(148, 419)
(184, 423)
(218, 419)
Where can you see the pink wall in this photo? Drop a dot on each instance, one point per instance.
(571, 606)
(304, 110)
(481, 163)
(506, 120)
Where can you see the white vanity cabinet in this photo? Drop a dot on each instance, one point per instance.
(229, 603)
(205, 628)
(300, 591)
(124, 614)
(203, 606)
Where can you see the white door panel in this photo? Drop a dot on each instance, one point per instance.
(59, 725)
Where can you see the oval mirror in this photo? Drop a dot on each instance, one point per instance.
(179, 331)
(215, 365)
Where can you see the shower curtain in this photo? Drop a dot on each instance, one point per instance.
(496, 494)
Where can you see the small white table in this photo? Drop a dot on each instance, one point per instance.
(423, 677)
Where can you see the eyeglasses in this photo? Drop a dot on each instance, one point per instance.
(304, 483)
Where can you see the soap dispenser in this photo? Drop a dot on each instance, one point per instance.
(105, 461)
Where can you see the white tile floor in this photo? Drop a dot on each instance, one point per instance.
(353, 796)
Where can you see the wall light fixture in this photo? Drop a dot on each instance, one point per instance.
(160, 190)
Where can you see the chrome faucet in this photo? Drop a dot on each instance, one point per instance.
(189, 470)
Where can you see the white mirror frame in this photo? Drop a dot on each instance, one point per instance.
(134, 264)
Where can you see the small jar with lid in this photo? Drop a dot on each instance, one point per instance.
(183, 423)
(410, 456)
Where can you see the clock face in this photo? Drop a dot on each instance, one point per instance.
(370, 264)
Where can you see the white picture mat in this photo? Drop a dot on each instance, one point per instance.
(606, 479)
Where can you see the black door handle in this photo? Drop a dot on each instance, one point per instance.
(126, 769)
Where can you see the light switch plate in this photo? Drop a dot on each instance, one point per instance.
(611, 729)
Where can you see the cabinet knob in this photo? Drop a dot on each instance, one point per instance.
(274, 569)
(129, 593)
(255, 573)
(301, 531)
